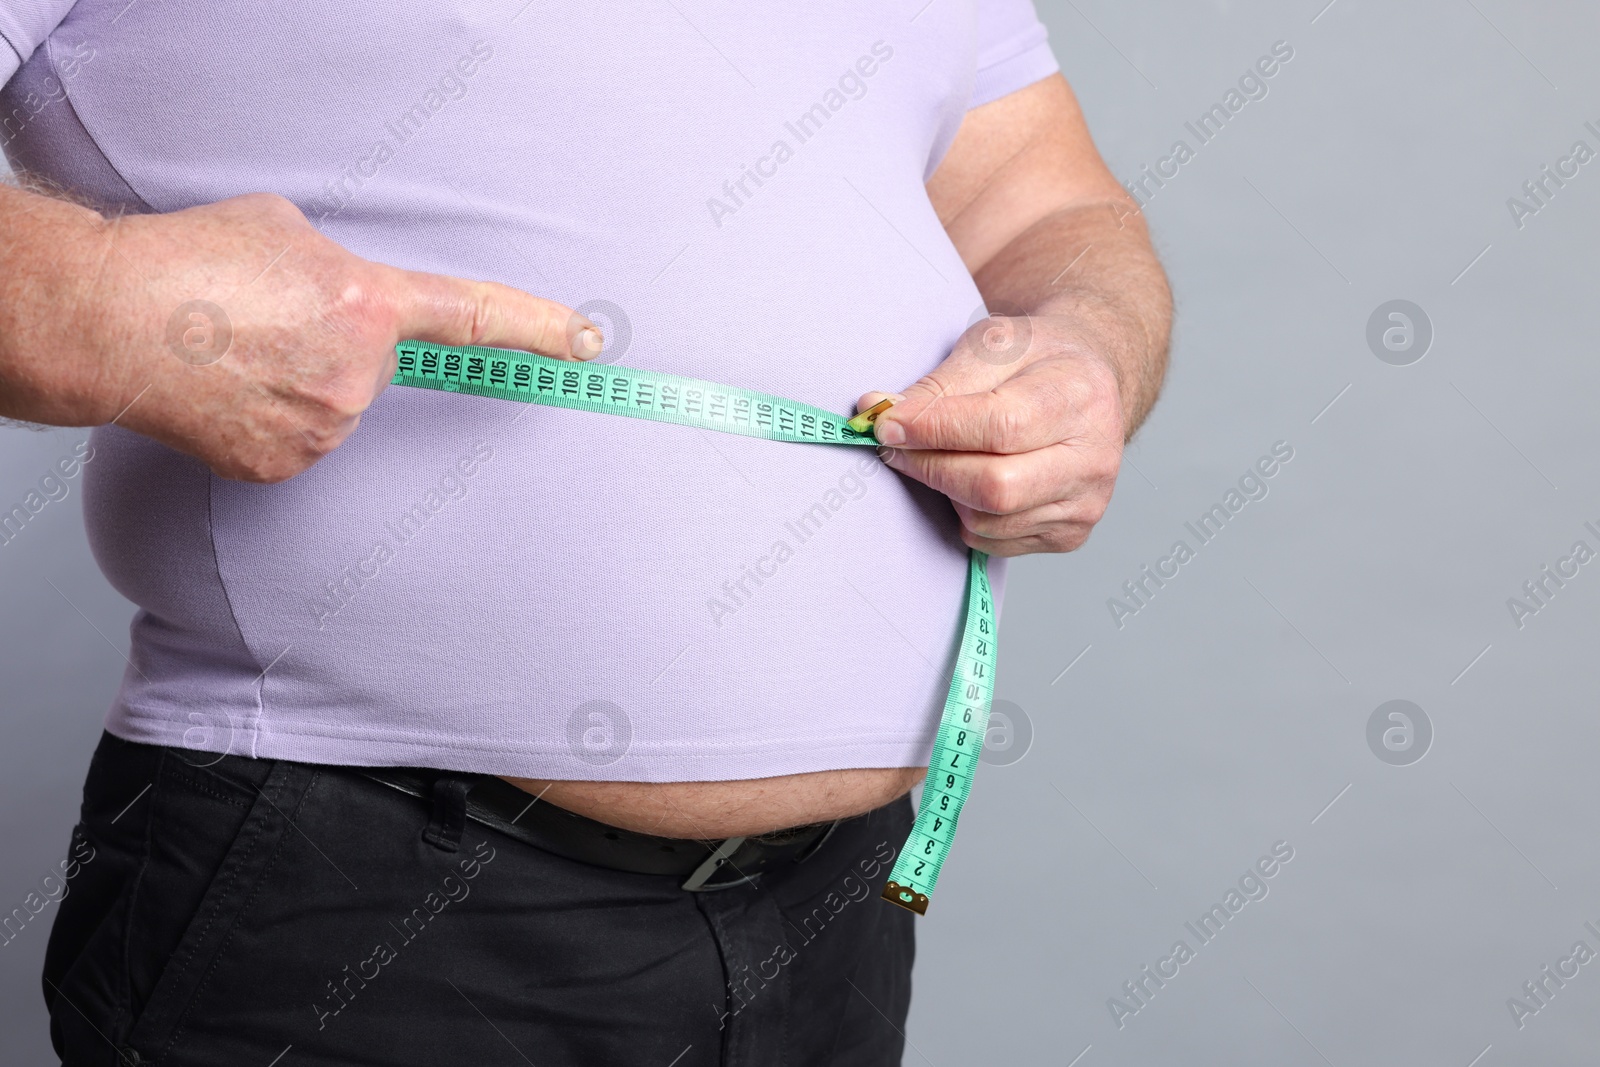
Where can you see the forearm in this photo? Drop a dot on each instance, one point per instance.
(54, 257)
(1092, 263)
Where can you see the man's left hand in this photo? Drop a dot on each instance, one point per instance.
(1022, 427)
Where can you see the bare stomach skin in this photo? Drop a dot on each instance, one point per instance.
(711, 810)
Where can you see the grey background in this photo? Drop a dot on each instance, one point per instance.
(1231, 711)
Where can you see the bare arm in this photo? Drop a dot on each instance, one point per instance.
(97, 324)
(1025, 196)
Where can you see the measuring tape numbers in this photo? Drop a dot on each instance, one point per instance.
(662, 397)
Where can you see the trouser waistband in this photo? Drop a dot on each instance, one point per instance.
(703, 865)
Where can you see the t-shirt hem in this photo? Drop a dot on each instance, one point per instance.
(1017, 63)
(690, 762)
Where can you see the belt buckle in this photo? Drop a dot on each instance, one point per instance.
(701, 875)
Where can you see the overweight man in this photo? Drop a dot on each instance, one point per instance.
(463, 731)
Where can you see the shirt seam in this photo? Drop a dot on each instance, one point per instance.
(1018, 53)
(66, 91)
(227, 598)
(1012, 47)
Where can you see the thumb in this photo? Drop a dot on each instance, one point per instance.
(455, 311)
(986, 355)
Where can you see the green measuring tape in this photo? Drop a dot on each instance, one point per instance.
(645, 394)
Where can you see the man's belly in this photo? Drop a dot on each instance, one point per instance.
(710, 810)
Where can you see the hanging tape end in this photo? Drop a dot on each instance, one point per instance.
(906, 897)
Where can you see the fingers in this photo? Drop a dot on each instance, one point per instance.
(455, 311)
(1048, 500)
(1063, 526)
(1025, 439)
(1057, 537)
(1045, 402)
(1012, 484)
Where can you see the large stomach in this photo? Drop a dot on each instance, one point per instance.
(557, 595)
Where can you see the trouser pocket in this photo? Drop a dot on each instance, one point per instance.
(172, 872)
(200, 950)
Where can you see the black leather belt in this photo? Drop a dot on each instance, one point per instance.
(497, 803)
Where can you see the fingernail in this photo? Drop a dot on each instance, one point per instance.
(889, 433)
(587, 343)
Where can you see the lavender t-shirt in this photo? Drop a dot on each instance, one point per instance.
(479, 585)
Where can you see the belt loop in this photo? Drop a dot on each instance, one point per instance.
(449, 817)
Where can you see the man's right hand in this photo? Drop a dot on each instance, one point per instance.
(94, 327)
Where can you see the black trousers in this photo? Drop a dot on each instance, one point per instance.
(265, 913)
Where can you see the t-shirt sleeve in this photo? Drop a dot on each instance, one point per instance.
(24, 24)
(1013, 51)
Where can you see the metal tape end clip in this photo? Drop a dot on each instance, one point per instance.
(906, 897)
(863, 422)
